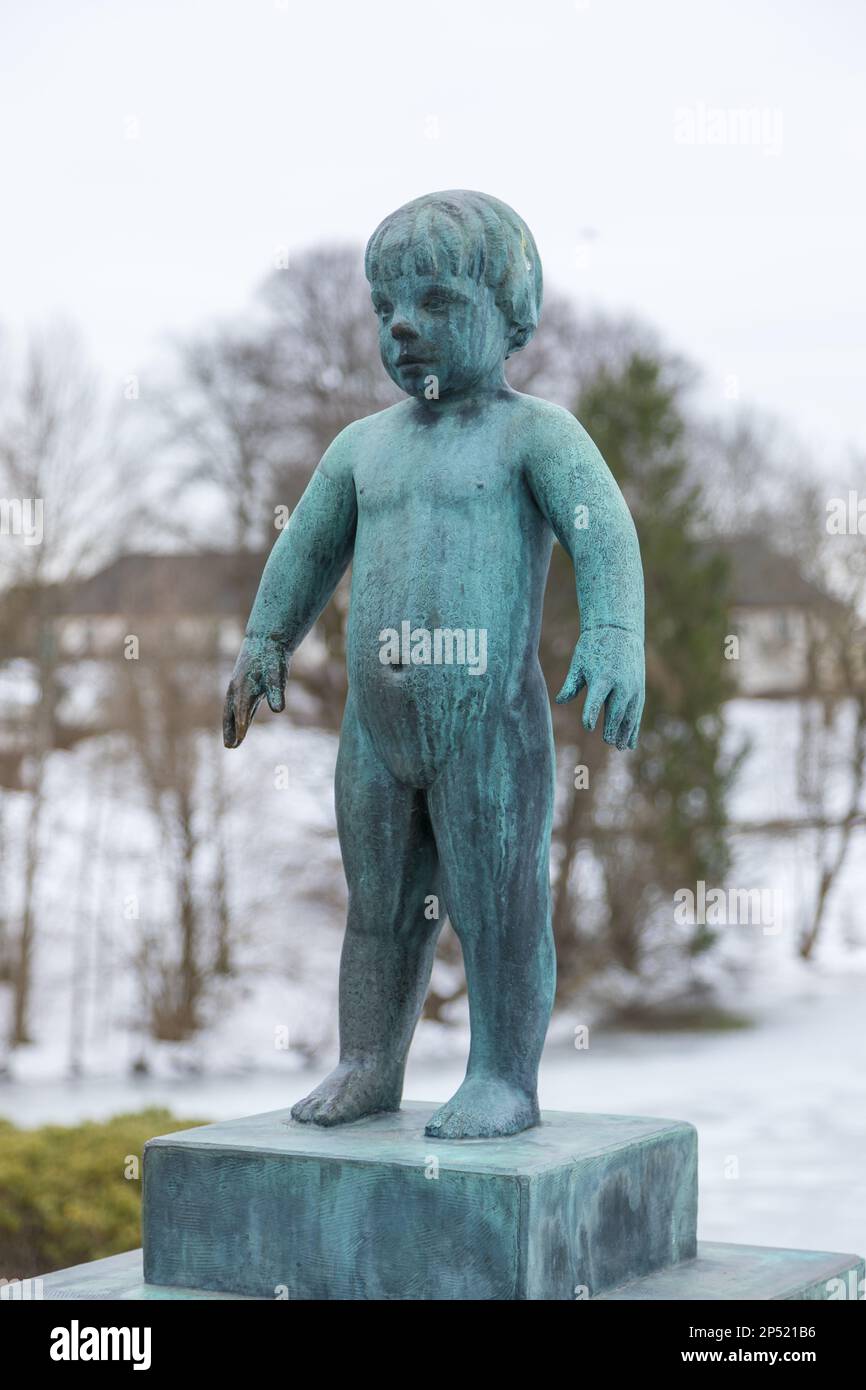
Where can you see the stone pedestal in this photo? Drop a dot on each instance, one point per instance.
(376, 1210)
(582, 1207)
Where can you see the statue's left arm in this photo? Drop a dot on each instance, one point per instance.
(577, 493)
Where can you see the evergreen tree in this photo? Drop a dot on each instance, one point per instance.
(655, 818)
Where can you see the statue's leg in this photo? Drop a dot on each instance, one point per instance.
(491, 811)
(389, 856)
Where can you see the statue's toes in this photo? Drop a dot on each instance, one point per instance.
(332, 1112)
(444, 1124)
(305, 1110)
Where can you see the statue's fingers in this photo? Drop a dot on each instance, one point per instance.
(574, 681)
(626, 728)
(244, 717)
(275, 681)
(249, 692)
(243, 713)
(599, 689)
(617, 705)
(230, 738)
(633, 737)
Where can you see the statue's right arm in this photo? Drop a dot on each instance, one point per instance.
(311, 554)
(302, 572)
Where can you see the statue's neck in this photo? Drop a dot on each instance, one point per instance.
(478, 392)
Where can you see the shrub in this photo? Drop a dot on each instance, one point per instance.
(68, 1195)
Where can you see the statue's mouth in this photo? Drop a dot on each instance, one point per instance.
(411, 362)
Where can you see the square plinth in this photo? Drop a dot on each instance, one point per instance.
(732, 1272)
(723, 1272)
(268, 1207)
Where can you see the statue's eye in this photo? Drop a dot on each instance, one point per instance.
(383, 308)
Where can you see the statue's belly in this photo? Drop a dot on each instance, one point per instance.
(418, 709)
(443, 628)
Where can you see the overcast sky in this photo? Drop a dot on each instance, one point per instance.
(155, 155)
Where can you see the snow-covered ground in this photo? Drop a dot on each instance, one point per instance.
(780, 1107)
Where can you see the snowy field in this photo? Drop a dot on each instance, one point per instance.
(780, 1107)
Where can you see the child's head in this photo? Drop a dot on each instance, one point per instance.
(456, 284)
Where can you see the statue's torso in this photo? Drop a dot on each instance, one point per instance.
(451, 542)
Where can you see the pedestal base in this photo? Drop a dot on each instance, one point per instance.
(599, 1207)
(720, 1272)
(375, 1210)
(725, 1272)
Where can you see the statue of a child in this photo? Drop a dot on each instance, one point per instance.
(447, 505)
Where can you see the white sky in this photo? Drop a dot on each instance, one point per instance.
(264, 124)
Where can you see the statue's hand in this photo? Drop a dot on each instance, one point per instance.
(260, 672)
(609, 661)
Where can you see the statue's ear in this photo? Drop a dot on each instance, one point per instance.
(518, 337)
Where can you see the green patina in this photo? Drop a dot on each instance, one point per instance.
(577, 1207)
(720, 1272)
(447, 505)
(373, 1210)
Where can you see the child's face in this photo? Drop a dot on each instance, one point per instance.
(443, 326)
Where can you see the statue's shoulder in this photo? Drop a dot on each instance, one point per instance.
(547, 430)
(344, 451)
(381, 419)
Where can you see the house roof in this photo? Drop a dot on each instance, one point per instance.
(761, 577)
(207, 583)
(215, 583)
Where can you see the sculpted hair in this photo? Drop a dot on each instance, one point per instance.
(464, 233)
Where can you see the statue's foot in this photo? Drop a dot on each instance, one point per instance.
(484, 1108)
(352, 1090)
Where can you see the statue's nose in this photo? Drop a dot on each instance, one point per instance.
(401, 329)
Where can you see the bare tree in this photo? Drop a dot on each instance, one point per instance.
(54, 475)
(163, 697)
(831, 762)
